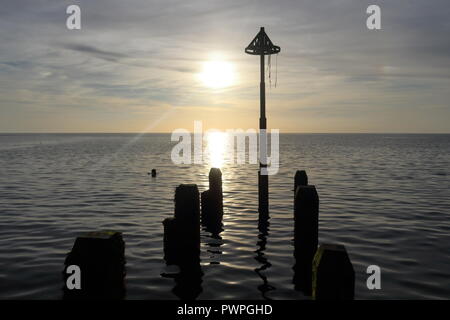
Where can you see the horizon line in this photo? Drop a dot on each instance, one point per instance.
(168, 132)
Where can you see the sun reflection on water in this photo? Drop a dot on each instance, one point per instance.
(216, 146)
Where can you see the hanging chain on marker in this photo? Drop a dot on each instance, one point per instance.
(269, 70)
(262, 45)
(276, 69)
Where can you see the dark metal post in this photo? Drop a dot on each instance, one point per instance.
(261, 45)
(262, 97)
(263, 180)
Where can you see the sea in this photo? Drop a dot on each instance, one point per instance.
(385, 197)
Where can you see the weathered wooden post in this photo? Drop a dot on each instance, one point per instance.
(215, 180)
(101, 259)
(182, 233)
(212, 201)
(333, 274)
(187, 206)
(262, 45)
(300, 179)
(306, 232)
(182, 241)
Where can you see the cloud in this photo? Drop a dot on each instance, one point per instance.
(96, 52)
(147, 53)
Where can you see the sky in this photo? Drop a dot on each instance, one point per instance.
(134, 66)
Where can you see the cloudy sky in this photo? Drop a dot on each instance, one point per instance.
(134, 66)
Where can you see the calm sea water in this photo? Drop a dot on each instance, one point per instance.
(385, 197)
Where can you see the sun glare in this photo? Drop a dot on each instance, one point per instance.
(216, 142)
(217, 74)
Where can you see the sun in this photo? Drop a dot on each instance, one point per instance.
(217, 74)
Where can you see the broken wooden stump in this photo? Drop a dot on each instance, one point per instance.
(100, 257)
(333, 274)
(300, 179)
(306, 232)
(182, 241)
(182, 233)
(212, 202)
(215, 180)
(306, 217)
(187, 205)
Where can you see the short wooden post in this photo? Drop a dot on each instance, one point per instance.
(333, 274)
(300, 179)
(306, 216)
(187, 205)
(101, 259)
(182, 233)
(215, 180)
(182, 241)
(306, 230)
(212, 201)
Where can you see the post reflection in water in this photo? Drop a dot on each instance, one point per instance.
(214, 242)
(217, 144)
(263, 227)
(188, 275)
(182, 251)
(188, 282)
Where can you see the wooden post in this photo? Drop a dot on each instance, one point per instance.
(215, 180)
(101, 259)
(306, 229)
(333, 274)
(306, 216)
(212, 202)
(300, 179)
(182, 241)
(182, 233)
(187, 204)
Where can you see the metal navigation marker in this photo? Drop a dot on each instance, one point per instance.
(262, 45)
